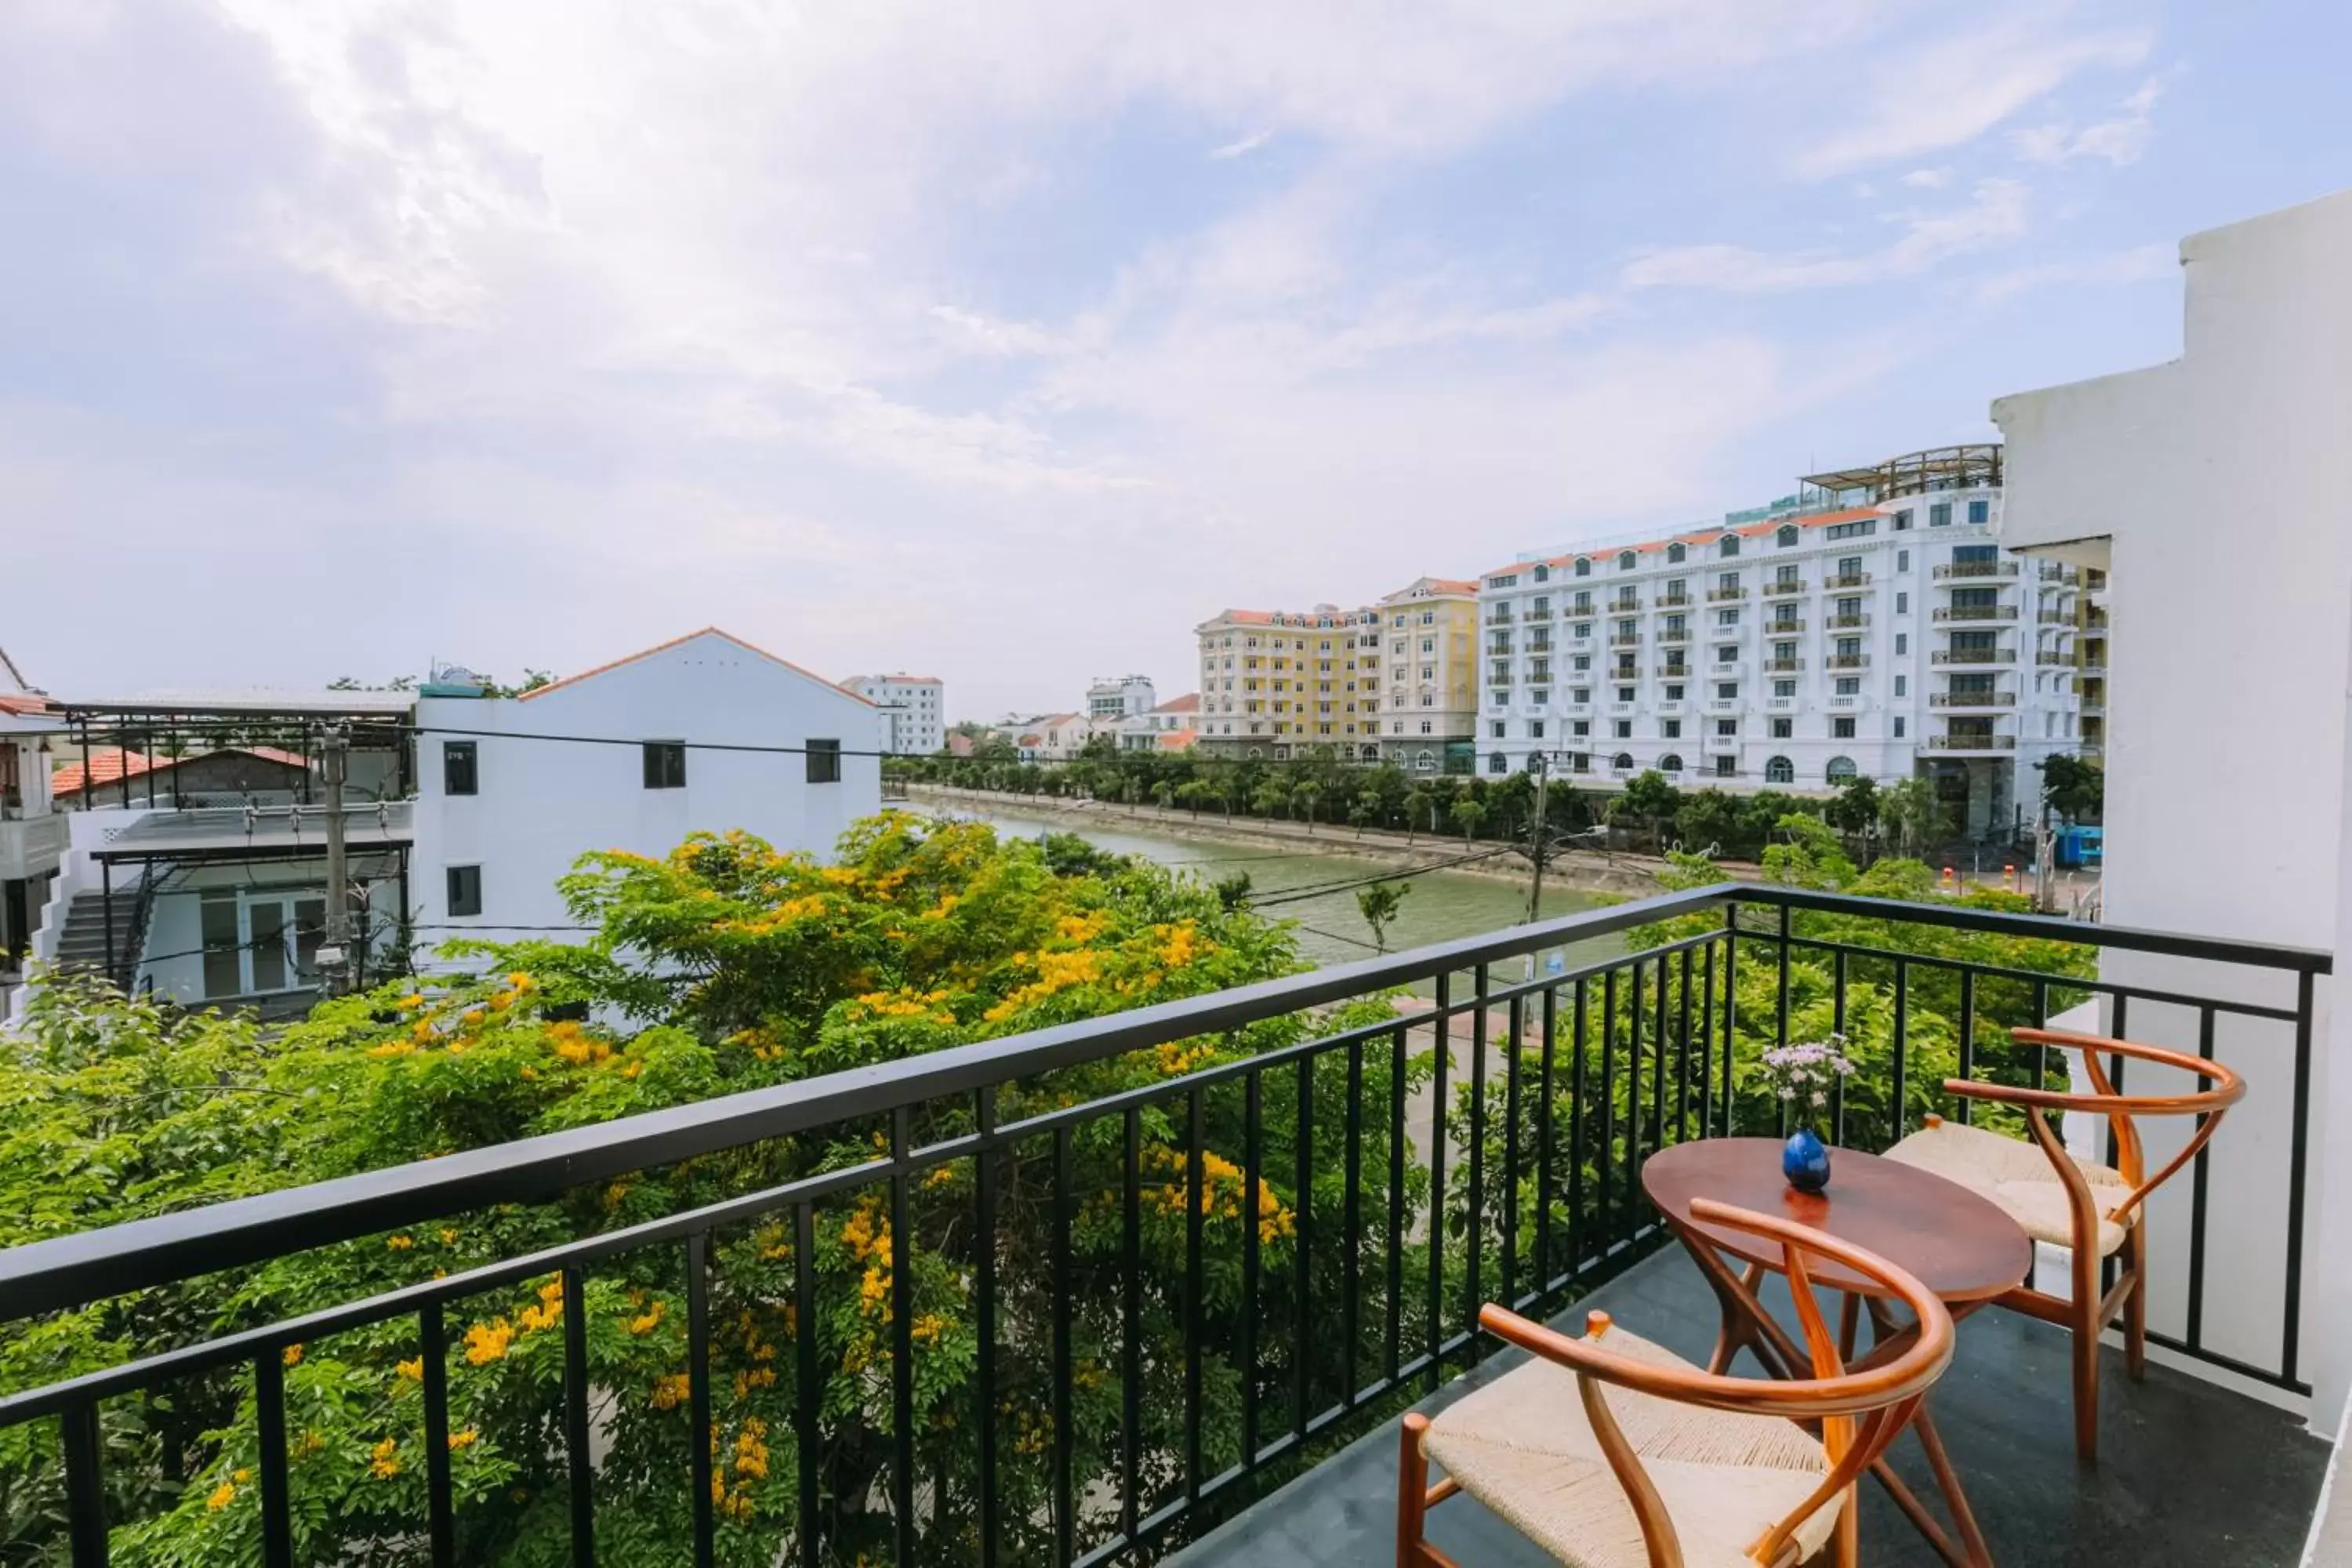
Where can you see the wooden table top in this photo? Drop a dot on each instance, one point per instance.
(1959, 1244)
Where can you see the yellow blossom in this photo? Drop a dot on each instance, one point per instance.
(486, 1343)
(293, 1355)
(222, 1495)
(399, 1242)
(410, 1371)
(672, 1390)
(384, 1462)
(465, 1439)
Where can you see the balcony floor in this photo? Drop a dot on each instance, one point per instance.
(2189, 1473)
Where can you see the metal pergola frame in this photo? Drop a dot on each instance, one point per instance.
(182, 728)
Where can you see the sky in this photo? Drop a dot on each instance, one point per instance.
(1007, 342)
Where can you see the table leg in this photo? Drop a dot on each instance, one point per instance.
(1744, 1322)
(1973, 1552)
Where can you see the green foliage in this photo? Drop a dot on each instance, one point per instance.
(2073, 787)
(720, 968)
(1378, 904)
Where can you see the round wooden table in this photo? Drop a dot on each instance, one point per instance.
(1960, 1246)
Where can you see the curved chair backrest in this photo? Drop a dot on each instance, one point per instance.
(2223, 1089)
(1885, 1396)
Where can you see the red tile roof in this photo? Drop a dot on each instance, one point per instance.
(674, 642)
(23, 702)
(1188, 703)
(1693, 537)
(111, 764)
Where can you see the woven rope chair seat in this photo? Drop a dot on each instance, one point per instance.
(1523, 1447)
(2015, 1175)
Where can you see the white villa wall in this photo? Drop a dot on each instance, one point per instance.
(2211, 488)
(542, 805)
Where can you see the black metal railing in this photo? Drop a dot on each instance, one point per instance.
(1176, 1292)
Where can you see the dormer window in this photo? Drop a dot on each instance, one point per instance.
(1625, 561)
(1787, 538)
(1674, 553)
(1729, 547)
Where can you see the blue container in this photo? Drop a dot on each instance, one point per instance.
(1805, 1160)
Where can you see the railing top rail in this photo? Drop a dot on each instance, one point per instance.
(67, 1271)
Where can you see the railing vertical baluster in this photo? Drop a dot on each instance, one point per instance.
(270, 1440)
(1968, 1038)
(697, 1372)
(1515, 1022)
(1395, 1332)
(1606, 1165)
(1781, 1028)
(1902, 1048)
(809, 1390)
(1252, 1190)
(2291, 1331)
(440, 1509)
(1351, 1224)
(1472, 1298)
(1302, 1325)
(902, 1343)
(2197, 1198)
(983, 1423)
(575, 1416)
(1837, 1027)
(1633, 1199)
(85, 1486)
(1131, 1247)
(2116, 1077)
(1730, 1009)
(2040, 1021)
(1443, 1049)
(1682, 1056)
(1706, 1042)
(1549, 1021)
(1577, 1230)
(1064, 1217)
(1658, 1138)
(1196, 1197)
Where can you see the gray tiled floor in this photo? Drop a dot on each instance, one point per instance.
(2189, 1473)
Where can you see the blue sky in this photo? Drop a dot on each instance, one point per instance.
(1007, 345)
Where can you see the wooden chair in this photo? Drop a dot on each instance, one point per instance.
(1611, 1452)
(2092, 1210)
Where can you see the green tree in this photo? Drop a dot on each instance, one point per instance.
(2074, 787)
(1378, 904)
(1468, 812)
(1914, 817)
(1649, 798)
(1855, 809)
(1364, 810)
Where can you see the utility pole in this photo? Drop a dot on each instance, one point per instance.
(1535, 881)
(334, 945)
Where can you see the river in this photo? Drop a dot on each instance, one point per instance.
(1442, 904)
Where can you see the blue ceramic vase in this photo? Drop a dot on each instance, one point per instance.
(1805, 1160)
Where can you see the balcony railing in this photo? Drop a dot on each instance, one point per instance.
(1973, 743)
(1846, 661)
(1624, 639)
(1237, 1256)
(1977, 569)
(1625, 604)
(1675, 635)
(1846, 623)
(1972, 700)
(1675, 671)
(1672, 602)
(1847, 580)
(1976, 613)
(1789, 626)
(1782, 590)
(1783, 665)
(1722, 596)
(1974, 656)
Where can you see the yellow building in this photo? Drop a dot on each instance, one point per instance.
(1392, 679)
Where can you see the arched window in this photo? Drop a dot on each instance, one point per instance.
(1841, 770)
(1255, 752)
(1583, 567)
(1786, 537)
(1623, 762)
(1674, 553)
(1543, 574)
(1729, 547)
(1372, 753)
(1625, 561)
(1423, 761)
(1780, 770)
(1498, 763)
(1671, 765)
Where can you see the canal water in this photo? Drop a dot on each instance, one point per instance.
(1441, 905)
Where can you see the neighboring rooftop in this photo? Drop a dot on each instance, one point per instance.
(112, 764)
(572, 681)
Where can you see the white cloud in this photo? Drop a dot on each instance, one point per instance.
(1928, 178)
(2119, 140)
(1953, 89)
(2139, 264)
(1249, 143)
(1997, 216)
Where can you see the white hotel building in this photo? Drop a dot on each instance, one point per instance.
(912, 711)
(1869, 624)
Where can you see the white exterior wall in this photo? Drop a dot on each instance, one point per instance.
(2210, 487)
(913, 711)
(1897, 719)
(542, 805)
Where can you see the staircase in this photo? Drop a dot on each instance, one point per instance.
(81, 945)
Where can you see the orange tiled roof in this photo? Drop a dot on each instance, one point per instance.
(23, 702)
(1188, 703)
(111, 764)
(674, 642)
(1693, 537)
(1178, 740)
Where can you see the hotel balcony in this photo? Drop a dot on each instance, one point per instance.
(1722, 596)
(1783, 665)
(1976, 613)
(1844, 702)
(2054, 618)
(1951, 569)
(1681, 635)
(1624, 639)
(1974, 656)
(2091, 668)
(1625, 604)
(1675, 671)
(1783, 590)
(2053, 658)
(1082, 1357)
(1847, 580)
(1788, 627)
(1972, 700)
(1846, 623)
(1724, 704)
(1673, 601)
(1966, 743)
(1846, 661)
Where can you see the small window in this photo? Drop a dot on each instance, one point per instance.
(1543, 574)
(1623, 762)
(1729, 547)
(1940, 515)
(1625, 561)
(1841, 769)
(1903, 557)
(1898, 727)
(1787, 538)
(1669, 729)
(1783, 729)
(1779, 770)
(1902, 525)
(460, 773)
(1902, 642)
(1583, 567)
(1980, 511)
(824, 761)
(1674, 553)
(665, 765)
(1902, 686)
(1902, 604)
(1496, 727)
(465, 891)
(1624, 729)
(1842, 729)
(1498, 763)
(1670, 765)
